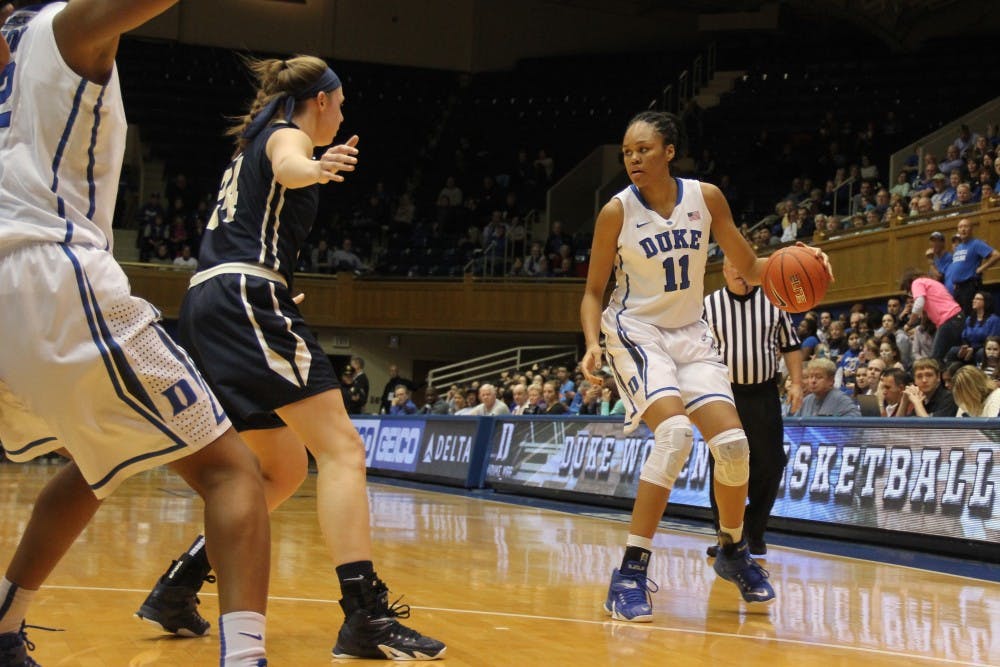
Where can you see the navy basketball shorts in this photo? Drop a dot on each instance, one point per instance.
(247, 337)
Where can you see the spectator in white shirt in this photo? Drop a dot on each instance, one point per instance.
(185, 260)
(488, 404)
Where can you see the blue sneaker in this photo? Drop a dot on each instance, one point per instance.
(629, 597)
(14, 647)
(740, 568)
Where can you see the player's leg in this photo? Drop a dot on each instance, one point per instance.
(223, 343)
(226, 475)
(647, 380)
(370, 629)
(173, 602)
(719, 424)
(628, 596)
(61, 512)
(284, 462)
(713, 550)
(119, 369)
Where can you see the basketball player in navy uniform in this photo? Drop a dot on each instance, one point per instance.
(85, 367)
(655, 235)
(244, 330)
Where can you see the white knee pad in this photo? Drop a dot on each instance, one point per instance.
(732, 457)
(672, 443)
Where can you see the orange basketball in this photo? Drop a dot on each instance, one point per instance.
(794, 279)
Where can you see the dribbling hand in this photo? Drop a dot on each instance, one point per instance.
(336, 159)
(5, 12)
(819, 255)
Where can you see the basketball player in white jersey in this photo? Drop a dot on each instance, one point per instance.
(84, 366)
(655, 235)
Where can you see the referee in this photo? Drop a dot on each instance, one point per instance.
(750, 332)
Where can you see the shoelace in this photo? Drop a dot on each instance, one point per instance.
(754, 574)
(396, 610)
(24, 635)
(638, 594)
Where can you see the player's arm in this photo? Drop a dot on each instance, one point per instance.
(87, 31)
(734, 246)
(290, 151)
(793, 360)
(602, 258)
(5, 12)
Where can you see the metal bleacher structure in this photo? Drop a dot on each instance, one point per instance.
(520, 359)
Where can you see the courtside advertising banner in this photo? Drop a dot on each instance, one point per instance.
(930, 480)
(419, 448)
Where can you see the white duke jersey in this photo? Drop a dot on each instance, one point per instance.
(62, 141)
(660, 268)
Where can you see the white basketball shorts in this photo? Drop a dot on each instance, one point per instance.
(649, 363)
(86, 367)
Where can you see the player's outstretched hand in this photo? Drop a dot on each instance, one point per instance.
(820, 255)
(591, 362)
(298, 298)
(5, 12)
(341, 157)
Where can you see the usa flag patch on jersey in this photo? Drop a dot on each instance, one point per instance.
(694, 215)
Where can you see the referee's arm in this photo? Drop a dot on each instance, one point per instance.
(793, 361)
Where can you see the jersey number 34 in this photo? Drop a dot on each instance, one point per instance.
(225, 206)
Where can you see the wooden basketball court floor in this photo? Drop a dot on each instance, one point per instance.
(502, 584)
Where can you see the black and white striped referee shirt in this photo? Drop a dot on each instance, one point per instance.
(750, 332)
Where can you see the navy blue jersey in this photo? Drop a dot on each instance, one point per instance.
(256, 219)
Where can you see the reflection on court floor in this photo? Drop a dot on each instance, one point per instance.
(502, 584)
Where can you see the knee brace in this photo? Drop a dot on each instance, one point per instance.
(672, 442)
(732, 457)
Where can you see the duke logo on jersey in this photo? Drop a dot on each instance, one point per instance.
(674, 239)
(661, 266)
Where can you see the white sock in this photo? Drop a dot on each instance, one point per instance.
(639, 541)
(14, 602)
(242, 638)
(735, 533)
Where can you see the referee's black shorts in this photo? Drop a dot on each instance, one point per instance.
(247, 337)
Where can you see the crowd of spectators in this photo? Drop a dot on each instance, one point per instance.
(884, 360)
(538, 390)
(480, 159)
(891, 354)
(855, 196)
(171, 234)
(863, 352)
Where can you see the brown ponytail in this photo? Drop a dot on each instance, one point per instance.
(275, 77)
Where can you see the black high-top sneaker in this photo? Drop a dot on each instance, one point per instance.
(14, 647)
(173, 602)
(371, 630)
